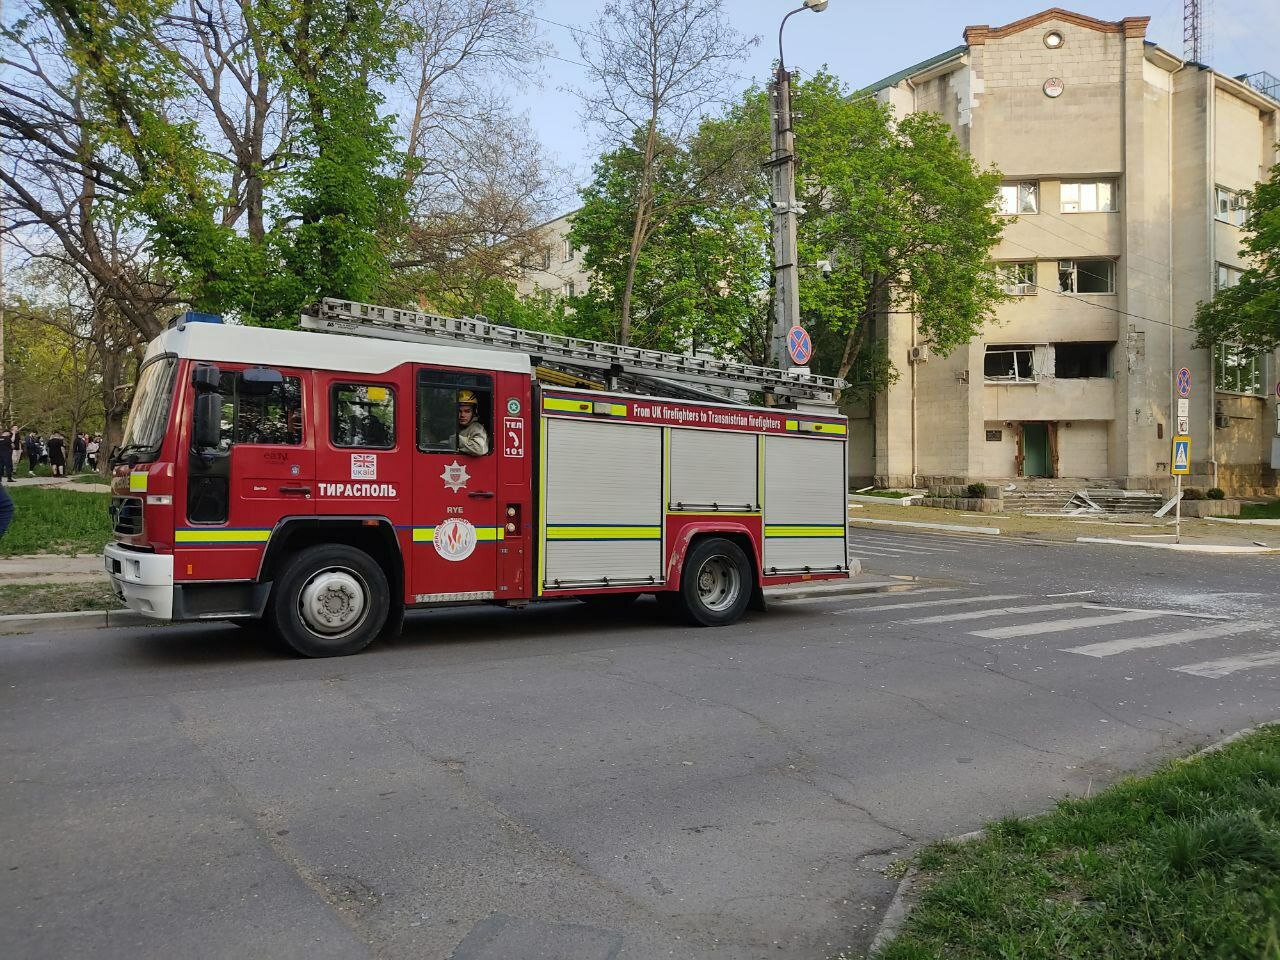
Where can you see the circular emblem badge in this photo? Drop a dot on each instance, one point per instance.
(455, 539)
(1053, 88)
(513, 406)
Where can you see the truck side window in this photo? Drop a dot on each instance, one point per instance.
(275, 418)
(438, 407)
(362, 415)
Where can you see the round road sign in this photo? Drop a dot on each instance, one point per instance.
(799, 346)
(1184, 382)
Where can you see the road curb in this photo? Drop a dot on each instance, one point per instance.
(1220, 548)
(904, 898)
(94, 619)
(924, 525)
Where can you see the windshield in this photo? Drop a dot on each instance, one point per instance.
(149, 413)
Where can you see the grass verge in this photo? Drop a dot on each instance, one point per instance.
(49, 520)
(19, 598)
(1260, 511)
(1184, 863)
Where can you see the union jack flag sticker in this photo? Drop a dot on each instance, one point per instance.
(364, 466)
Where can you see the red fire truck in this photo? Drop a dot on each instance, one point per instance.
(315, 481)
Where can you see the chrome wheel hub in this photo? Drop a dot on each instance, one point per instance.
(719, 583)
(333, 602)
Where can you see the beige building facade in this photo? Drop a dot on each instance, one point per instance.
(1122, 167)
(558, 273)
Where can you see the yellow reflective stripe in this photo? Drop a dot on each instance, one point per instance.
(565, 532)
(483, 534)
(584, 406)
(837, 428)
(568, 406)
(814, 426)
(833, 530)
(137, 482)
(221, 536)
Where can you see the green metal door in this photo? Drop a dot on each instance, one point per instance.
(1035, 450)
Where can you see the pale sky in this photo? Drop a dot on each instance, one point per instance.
(864, 40)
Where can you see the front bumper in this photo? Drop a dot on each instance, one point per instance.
(144, 581)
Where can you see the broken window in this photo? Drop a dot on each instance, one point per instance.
(1087, 276)
(1236, 370)
(1019, 198)
(1089, 196)
(1230, 206)
(1018, 278)
(1073, 361)
(1004, 364)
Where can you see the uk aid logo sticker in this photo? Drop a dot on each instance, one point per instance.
(455, 539)
(364, 466)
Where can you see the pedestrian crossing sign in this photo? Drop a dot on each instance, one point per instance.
(1181, 462)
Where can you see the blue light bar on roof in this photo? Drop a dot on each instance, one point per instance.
(194, 316)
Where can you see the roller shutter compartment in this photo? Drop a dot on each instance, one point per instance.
(713, 470)
(603, 518)
(805, 505)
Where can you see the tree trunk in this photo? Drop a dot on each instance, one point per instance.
(639, 233)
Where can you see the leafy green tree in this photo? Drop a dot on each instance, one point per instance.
(1248, 314)
(695, 283)
(896, 210)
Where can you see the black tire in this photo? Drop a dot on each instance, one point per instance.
(715, 584)
(330, 601)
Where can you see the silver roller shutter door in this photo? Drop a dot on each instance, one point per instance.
(603, 503)
(711, 467)
(804, 487)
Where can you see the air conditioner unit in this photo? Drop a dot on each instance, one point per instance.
(918, 354)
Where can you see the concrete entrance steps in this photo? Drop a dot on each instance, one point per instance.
(1045, 495)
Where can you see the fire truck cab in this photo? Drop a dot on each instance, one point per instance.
(316, 482)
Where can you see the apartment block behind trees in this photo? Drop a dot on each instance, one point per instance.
(1124, 167)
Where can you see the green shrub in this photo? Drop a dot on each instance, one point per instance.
(1192, 493)
(1216, 493)
(976, 491)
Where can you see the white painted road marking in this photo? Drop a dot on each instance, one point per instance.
(1059, 626)
(997, 612)
(1228, 665)
(926, 603)
(1110, 648)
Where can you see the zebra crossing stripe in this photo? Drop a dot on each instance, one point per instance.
(1110, 648)
(997, 612)
(1213, 669)
(1059, 626)
(926, 603)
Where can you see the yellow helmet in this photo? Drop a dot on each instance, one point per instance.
(467, 396)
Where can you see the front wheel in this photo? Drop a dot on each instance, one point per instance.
(331, 601)
(715, 584)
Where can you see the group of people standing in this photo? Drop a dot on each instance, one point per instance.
(83, 448)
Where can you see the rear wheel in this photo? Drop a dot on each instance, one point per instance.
(715, 584)
(331, 601)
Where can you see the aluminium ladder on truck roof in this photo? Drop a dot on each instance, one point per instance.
(344, 316)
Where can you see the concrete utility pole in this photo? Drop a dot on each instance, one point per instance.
(782, 162)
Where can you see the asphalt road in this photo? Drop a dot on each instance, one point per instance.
(546, 783)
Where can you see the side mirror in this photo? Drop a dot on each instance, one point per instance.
(207, 426)
(206, 378)
(260, 381)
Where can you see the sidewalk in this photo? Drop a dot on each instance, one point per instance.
(53, 568)
(1237, 537)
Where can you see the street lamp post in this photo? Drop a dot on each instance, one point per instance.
(782, 162)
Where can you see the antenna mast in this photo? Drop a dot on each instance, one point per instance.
(1196, 30)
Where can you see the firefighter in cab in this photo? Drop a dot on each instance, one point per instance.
(472, 438)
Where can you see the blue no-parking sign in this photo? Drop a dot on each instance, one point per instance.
(799, 346)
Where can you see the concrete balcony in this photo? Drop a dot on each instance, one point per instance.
(1050, 399)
